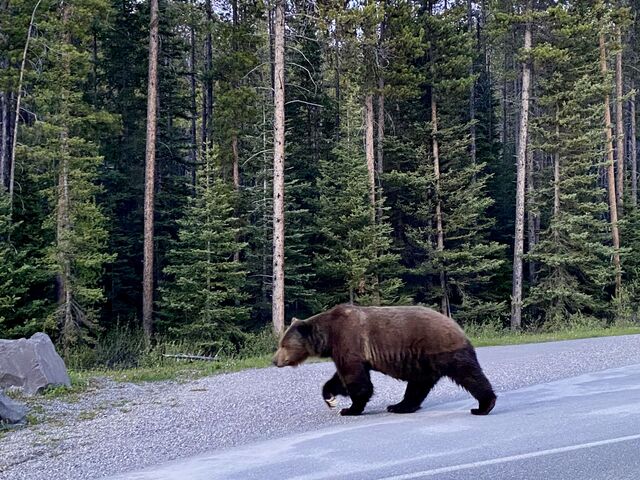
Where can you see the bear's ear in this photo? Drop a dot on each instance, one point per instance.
(294, 320)
(303, 328)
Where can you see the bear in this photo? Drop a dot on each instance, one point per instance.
(410, 343)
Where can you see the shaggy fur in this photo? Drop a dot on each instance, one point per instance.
(414, 344)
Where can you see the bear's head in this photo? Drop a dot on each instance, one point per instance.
(294, 347)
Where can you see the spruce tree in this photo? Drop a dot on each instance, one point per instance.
(467, 261)
(574, 251)
(355, 261)
(203, 294)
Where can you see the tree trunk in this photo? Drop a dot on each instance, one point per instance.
(518, 247)
(556, 177)
(194, 110)
(531, 215)
(472, 95)
(150, 166)
(3, 138)
(444, 301)
(63, 222)
(236, 162)
(207, 97)
(619, 128)
(278, 172)
(611, 180)
(633, 156)
(337, 79)
(380, 144)
(369, 151)
(14, 142)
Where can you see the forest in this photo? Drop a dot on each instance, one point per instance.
(201, 170)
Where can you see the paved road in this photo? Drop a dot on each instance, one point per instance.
(566, 410)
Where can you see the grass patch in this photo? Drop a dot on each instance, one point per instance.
(487, 339)
(180, 370)
(152, 366)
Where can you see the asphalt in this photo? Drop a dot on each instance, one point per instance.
(565, 410)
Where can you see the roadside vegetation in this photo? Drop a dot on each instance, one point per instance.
(125, 357)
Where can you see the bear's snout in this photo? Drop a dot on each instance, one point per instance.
(279, 359)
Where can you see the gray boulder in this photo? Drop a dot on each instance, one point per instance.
(31, 364)
(11, 412)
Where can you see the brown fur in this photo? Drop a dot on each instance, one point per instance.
(415, 344)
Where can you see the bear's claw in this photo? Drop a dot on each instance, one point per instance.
(331, 402)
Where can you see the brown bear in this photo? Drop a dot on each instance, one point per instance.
(414, 344)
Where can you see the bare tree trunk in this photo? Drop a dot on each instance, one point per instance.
(611, 171)
(472, 95)
(556, 176)
(337, 79)
(236, 161)
(14, 142)
(619, 128)
(444, 301)
(4, 99)
(518, 247)
(531, 215)
(150, 168)
(380, 144)
(278, 172)
(207, 97)
(194, 110)
(368, 141)
(633, 156)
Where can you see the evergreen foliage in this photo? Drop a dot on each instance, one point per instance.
(71, 236)
(203, 296)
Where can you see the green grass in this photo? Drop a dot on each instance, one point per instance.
(183, 370)
(493, 338)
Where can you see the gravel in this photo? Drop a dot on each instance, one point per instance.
(118, 427)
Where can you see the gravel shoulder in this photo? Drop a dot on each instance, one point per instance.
(118, 427)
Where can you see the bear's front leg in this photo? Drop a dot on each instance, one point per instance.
(333, 388)
(359, 387)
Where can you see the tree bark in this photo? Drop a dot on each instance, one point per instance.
(531, 215)
(369, 151)
(14, 141)
(518, 247)
(611, 180)
(194, 110)
(444, 300)
(63, 221)
(3, 138)
(619, 128)
(278, 172)
(380, 144)
(472, 95)
(150, 167)
(207, 97)
(633, 156)
(556, 177)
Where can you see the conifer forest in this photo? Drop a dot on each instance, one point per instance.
(204, 169)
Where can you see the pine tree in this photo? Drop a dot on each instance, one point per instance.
(356, 262)
(203, 295)
(574, 251)
(466, 261)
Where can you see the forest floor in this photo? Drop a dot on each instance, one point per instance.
(104, 425)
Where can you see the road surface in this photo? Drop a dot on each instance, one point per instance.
(572, 413)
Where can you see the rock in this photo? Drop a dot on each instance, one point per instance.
(31, 364)
(11, 412)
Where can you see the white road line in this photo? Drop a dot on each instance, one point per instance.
(512, 458)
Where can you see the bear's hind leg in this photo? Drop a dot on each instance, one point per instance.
(414, 395)
(359, 386)
(333, 388)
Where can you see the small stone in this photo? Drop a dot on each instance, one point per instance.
(11, 412)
